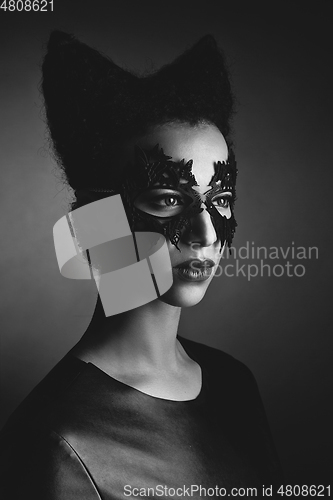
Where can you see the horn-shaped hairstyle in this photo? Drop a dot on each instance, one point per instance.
(93, 106)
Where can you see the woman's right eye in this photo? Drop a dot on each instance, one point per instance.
(162, 205)
(168, 198)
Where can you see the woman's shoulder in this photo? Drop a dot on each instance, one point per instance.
(231, 385)
(32, 447)
(33, 409)
(224, 373)
(43, 466)
(214, 358)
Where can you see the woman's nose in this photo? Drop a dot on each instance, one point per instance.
(201, 231)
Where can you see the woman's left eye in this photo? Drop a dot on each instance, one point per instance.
(223, 202)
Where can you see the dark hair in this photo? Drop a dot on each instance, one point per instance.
(93, 106)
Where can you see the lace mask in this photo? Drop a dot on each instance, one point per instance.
(155, 170)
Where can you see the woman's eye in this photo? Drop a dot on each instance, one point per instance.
(170, 201)
(223, 202)
(160, 205)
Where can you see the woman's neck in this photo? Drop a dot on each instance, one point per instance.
(140, 348)
(145, 336)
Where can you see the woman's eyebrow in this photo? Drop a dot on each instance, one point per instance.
(227, 192)
(161, 186)
(220, 191)
(185, 181)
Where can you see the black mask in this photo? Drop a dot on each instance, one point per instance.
(154, 170)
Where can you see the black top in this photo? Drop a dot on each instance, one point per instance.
(81, 434)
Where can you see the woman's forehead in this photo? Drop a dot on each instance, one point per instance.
(204, 144)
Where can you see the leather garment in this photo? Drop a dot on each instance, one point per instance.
(80, 434)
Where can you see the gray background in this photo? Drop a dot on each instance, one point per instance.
(280, 58)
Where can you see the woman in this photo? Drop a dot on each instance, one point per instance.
(133, 409)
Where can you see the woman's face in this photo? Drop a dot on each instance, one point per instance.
(205, 145)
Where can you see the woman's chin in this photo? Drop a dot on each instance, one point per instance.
(185, 293)
(179, 299)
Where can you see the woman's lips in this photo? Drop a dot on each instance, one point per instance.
(196, 264)
(194, 270)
